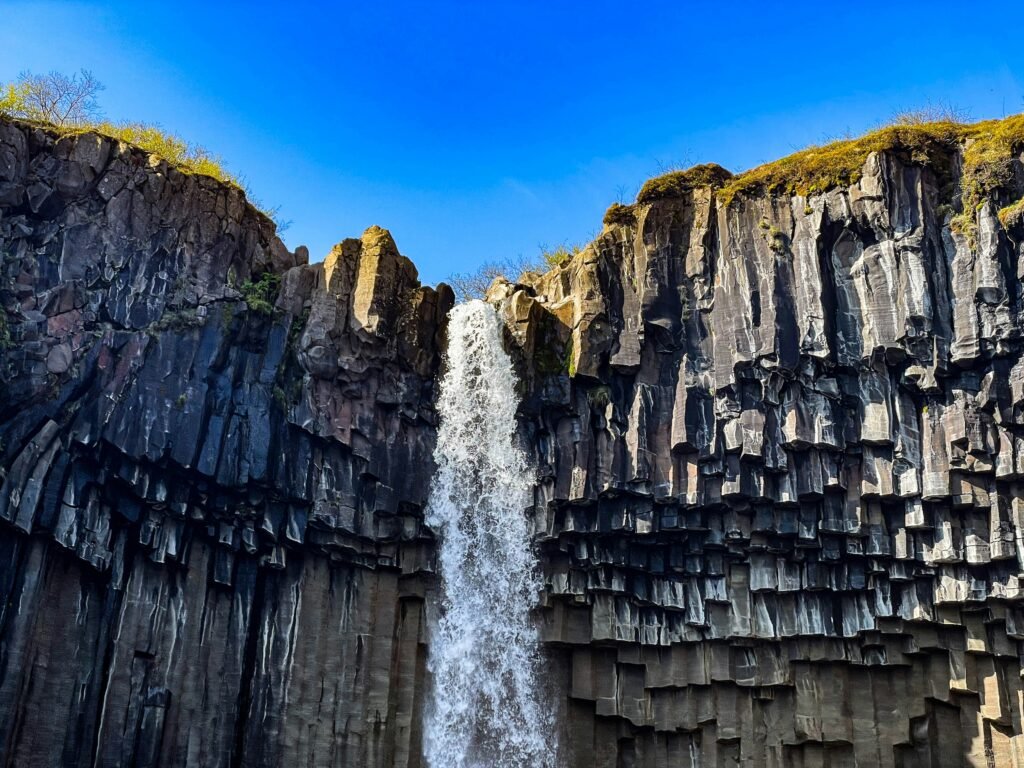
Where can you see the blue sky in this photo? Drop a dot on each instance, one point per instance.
(477, 131)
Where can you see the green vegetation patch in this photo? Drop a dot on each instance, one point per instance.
(260, 296)
(988, 167)
(677, 183)
(1012, 215)
(190, 158)
(559, 255)
(839, 163)
(988, 147)
(619, 214)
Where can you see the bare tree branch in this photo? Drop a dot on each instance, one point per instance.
(58, 99)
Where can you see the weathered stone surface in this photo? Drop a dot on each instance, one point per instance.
(779, 504)
(212, 541)
(780, 497)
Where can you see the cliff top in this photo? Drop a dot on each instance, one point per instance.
(987, 147)
(180, 154)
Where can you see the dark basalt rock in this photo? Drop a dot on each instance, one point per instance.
(781, 470)
(212, 516)
(780, 499)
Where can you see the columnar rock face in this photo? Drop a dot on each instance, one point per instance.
(211, 509)
(780, 451)
(781, 495)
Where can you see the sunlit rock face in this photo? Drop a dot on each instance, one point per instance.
(780, 497)
(778, 509)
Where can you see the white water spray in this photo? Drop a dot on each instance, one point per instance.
(486, 710)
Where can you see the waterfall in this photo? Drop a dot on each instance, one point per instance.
(485, 709)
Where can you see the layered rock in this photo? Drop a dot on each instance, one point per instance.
(780, 446)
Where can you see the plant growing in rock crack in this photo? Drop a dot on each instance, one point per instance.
(555, 257)
(260, 296)
(570, 359)
(5, 331)
(777, 241)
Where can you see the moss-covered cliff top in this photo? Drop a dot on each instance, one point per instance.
(987, 147)
(675, 183)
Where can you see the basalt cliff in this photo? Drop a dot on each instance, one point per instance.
(777, 422)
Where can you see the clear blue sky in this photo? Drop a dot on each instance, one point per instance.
(480, 130)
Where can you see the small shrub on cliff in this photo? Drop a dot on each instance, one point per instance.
(12, 100)
(623, 215)
(555, 257)
(261, 295)
(473, 285)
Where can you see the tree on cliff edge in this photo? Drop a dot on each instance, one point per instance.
(53, 98)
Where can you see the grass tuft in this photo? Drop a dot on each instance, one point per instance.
(1012, 215)
(677, 183)
(623, 215)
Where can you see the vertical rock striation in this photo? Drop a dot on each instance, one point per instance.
(779, 421)
(781, 498)
(486, 708)
(211, 534)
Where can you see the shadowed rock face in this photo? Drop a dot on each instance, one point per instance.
(780, 498)
(212, 515)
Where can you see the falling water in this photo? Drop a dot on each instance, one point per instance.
(486, 710)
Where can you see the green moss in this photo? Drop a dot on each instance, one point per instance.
(5, 331)
(180, 402)
(1012, 215)
(677, 183)
(839, 163)
(570, 361)
(619, 214)
(988, 148)
(261, 295)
